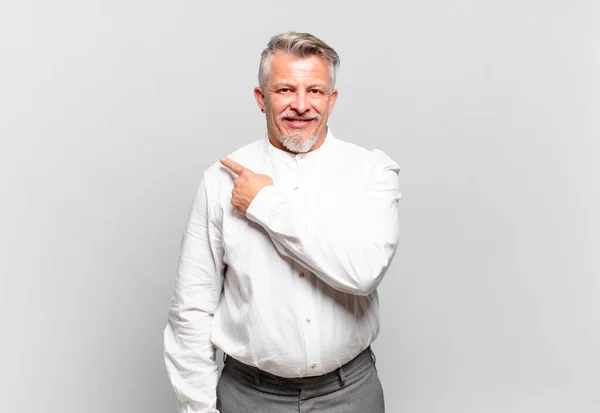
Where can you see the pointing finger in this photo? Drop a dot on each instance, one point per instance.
(232, 165)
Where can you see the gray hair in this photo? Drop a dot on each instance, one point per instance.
(301, 45)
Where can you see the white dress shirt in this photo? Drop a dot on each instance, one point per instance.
(291, 287)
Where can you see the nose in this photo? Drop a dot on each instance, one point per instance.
(299, 102)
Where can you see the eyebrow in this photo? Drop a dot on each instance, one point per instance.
(282, 84)
(309, 86)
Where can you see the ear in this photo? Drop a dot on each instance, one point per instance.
(332, 99)
(260, 98)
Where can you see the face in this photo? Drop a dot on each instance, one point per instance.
(297, 102)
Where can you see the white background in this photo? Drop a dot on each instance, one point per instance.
(111, 110)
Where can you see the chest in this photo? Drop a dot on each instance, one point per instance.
(314, 194)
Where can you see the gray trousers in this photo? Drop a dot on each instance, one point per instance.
(353, 388)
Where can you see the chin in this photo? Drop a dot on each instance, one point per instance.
(298, 144)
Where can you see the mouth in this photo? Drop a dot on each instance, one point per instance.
(298, 123)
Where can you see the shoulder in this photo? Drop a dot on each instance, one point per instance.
(216, 183)
(247, 156)
(358, 155)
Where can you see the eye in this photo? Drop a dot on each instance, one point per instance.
(284, 90)
(315, 91)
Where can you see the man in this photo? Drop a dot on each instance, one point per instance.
(287, 241)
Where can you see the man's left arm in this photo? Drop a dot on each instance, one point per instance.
(350, 250)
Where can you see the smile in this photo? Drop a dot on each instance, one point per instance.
(298, 123)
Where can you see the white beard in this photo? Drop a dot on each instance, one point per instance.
(298, 144)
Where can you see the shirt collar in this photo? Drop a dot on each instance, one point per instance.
(285, 157)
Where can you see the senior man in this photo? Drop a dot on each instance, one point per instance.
(287, 241)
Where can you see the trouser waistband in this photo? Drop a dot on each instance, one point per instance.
(363, 359)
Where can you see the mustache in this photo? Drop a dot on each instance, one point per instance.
(295, 115)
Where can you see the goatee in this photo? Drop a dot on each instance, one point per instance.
(298, 144)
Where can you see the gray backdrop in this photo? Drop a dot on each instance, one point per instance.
(110, 111)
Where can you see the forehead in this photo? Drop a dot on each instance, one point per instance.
(285, 66)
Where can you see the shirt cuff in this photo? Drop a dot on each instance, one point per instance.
(265, 204)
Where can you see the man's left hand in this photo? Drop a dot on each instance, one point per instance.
(246, 186)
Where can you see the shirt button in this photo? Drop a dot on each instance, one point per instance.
(295, 188)
(301, 275)
(308, 319)
(314, 365)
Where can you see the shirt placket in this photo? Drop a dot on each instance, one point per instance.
(296, 164)
(306, 318)
(305, 305)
